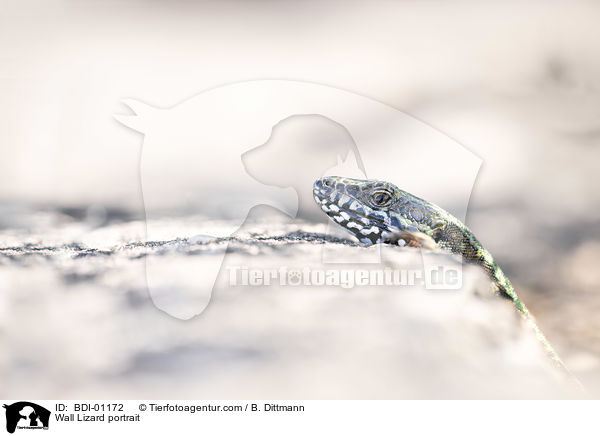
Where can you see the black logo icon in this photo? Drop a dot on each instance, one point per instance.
(26, 415)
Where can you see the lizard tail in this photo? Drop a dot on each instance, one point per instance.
(505, 286)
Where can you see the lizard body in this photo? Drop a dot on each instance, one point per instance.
(379, 212)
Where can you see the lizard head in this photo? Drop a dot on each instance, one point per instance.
(360, 206)
(376, 211)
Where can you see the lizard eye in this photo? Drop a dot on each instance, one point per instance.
(381, 198)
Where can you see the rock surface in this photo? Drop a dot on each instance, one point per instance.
(77, 322)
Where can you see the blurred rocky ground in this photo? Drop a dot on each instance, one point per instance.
(77, 321)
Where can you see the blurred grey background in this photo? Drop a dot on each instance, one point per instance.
(517, 84)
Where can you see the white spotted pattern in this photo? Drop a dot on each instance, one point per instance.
(373, 229)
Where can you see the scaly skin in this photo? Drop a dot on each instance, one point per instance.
(378, 212)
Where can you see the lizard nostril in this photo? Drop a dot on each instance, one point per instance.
(327, 183)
